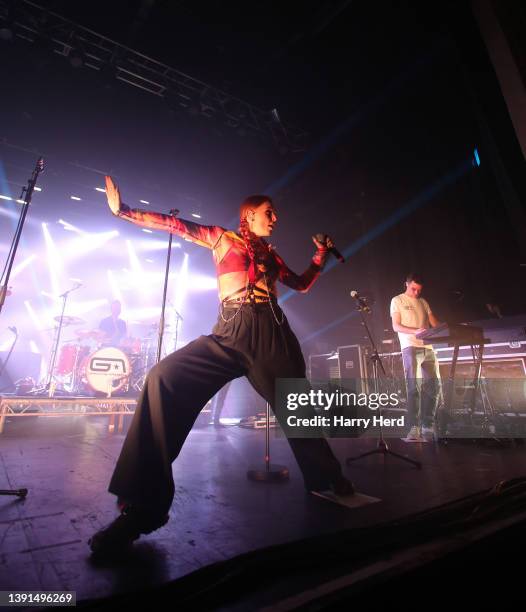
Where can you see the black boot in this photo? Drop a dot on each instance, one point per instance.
(117, 537)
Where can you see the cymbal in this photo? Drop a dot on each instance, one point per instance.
(96, 334)
(66, 320)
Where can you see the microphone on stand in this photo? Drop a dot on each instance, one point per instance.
(323, 239)
(74, 288)
(361, 301)
(13, 329)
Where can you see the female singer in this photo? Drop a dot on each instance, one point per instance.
(251, 338)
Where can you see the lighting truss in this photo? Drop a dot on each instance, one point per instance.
(83, 47)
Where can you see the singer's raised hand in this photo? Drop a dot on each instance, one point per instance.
(113, 195)
(324, 245)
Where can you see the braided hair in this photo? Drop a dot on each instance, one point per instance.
(257, 247)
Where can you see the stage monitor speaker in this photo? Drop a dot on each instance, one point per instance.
(323, 367)
(352, 366)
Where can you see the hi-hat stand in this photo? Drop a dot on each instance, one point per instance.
(382, 447)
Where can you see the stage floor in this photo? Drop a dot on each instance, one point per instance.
(66, 464)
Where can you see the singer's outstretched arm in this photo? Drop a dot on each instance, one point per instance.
(203, 235)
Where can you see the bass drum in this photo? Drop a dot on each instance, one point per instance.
(107, 370)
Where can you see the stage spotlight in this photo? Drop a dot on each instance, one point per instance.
(76, 57)
(21, 266)
(7, 29)
(70, 228)
(37, 322)
(88, 242)
(144, 201)
(100, 189)
(6, 33)
(135, 264)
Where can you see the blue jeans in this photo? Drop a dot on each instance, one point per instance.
(424, 391)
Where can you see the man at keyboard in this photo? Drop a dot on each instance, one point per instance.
(411, 315)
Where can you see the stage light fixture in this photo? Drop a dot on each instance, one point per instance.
(36, 321)
(88, 242)
(22, 265)
(6, 33)
(76, 57)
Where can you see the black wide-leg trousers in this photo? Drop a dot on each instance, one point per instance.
(251, 344)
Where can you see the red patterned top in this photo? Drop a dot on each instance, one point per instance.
(231, 257)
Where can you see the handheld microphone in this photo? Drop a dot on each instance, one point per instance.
(361, 301)
(323, 239)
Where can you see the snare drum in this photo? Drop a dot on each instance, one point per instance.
(107, 370)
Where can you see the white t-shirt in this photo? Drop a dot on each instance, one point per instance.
(414, 312)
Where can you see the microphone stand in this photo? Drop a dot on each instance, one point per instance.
(178, 318)
(27, 193)
(174, 212)
(382, 447)
(49, 388)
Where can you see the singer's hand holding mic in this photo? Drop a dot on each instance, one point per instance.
(325, 243)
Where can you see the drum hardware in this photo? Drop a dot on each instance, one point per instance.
(67, 320)
(94, 334)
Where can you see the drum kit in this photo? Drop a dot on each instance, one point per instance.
(86, 365)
